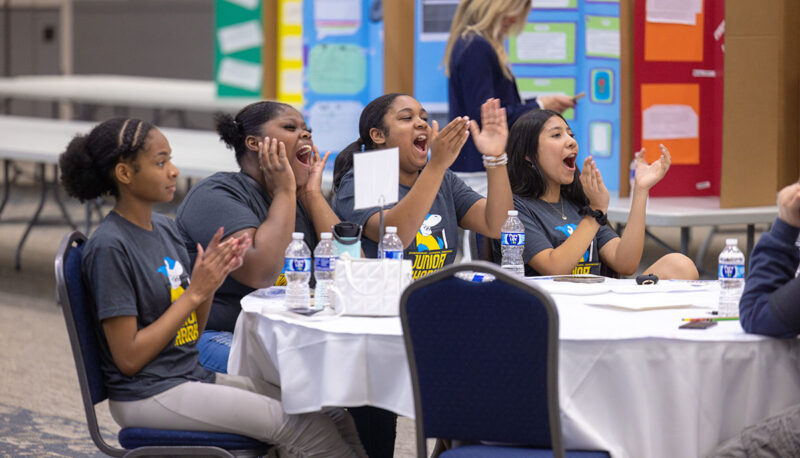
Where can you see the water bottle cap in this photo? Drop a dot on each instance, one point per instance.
(731, 241)
(326, 236)
(391, 229)
(513, 213)
(298, 236)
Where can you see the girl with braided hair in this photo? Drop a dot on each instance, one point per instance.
(151, 305)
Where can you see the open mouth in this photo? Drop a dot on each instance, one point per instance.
(421, 143)
(303, 155)
(569, 161)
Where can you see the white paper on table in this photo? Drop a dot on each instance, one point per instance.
(249, 4)
(710, 287)
(542, 46)
(241, 74)
(636, 303)
(376, 175)
(605, 42)
(674, 11)
(664, 122)
(570, 288)
(238, 37)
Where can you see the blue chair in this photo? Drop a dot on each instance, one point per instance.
(484, 364)
(86, 350)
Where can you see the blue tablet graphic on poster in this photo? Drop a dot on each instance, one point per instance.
(343, 64)
(567, 47)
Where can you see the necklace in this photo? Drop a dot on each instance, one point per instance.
(555, 208)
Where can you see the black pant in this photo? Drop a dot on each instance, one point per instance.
(377, 429)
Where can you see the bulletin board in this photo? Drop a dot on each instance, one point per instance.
(238, 48)
(342, 67)
(678, 91)
(567, 47)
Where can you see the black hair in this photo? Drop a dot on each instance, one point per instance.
(524, 172)
(87, 165)
(371, 117)
(233, 130)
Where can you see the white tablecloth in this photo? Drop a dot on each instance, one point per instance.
(630, 382)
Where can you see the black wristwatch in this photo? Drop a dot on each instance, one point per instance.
(602, 218)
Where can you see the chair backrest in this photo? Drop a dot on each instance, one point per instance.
(83, 339)
(483, 359)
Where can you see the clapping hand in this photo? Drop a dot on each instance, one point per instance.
(216, 261)
(648, 175)
(491, 138)
(593, 186)
(275, 167)
(316, 166)
(789, 205)
(446, 145)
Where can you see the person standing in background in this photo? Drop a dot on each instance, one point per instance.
(477, 68)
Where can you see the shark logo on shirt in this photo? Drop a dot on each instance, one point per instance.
(178, 282)
(567, 230)
(432, 247)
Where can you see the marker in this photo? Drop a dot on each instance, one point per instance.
(578, 97)
(727, 318)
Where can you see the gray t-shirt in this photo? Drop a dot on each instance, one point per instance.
(235, 201)
(436, 243)
(131, 271)
(545, 228)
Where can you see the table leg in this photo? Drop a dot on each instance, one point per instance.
(701, 253)
(685, 239)
(42, 169)
(59, 202)
(17, 259)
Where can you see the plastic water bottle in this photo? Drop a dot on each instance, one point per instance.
(731, 278)
(325, 255)
(391, 245)
(512, 242)
(297, 270)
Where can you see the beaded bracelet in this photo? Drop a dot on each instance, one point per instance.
(494, 161)
(602, 218)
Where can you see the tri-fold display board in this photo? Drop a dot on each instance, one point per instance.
(677, 93)
(567, 47)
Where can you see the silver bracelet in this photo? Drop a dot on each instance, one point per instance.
(495, 161)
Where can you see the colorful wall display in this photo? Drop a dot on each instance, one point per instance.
(567, 47)
(678, 92)
(238, 46)
(343, 67)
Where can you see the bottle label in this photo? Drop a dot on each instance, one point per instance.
(513, 239)
(324, 263)
(735, 271)
(297, 265)
(393, 254)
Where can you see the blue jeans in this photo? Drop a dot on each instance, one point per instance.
(214, 348)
